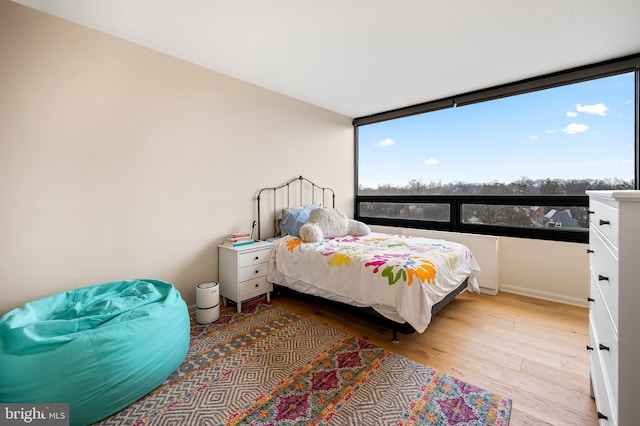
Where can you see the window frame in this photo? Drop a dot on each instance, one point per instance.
(575, 75)
(455, 223)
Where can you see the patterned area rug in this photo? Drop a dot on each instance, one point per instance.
(269, 366)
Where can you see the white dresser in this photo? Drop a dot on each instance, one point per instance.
(614, 313)
(242, 272)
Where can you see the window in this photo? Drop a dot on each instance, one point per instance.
(514, 160)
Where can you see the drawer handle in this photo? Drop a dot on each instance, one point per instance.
(603, 347)
(257, 257)
(589, 348)
(604, 222)
(590, 251)
(602, 278)
(590, 299)
(257, 285)
(257, 272)
(602, 416)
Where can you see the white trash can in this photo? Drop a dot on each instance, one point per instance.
(207, 302)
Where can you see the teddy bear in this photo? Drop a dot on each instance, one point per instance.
(327, 223)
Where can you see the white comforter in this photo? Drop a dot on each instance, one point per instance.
(399, 276)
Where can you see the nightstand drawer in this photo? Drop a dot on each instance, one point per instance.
(254, 257)
(605, 219)
(255, 287)
(253, 271)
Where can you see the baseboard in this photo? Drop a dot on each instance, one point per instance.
(553, 297)
(491, 291)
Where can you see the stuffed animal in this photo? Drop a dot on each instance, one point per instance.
(327, 223)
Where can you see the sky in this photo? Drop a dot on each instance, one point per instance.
(580, 131)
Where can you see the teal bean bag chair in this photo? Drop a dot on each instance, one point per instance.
(98, 348)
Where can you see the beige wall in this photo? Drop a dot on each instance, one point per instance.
(549, 270)
(120, 162)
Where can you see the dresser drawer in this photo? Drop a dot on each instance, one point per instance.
(605, 300)
(604, 334)
(600, 383)
(604, 218)
(255, 287)
(253, 257)
(253, 271)
(604, 273)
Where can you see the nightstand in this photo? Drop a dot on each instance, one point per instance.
(242, 272)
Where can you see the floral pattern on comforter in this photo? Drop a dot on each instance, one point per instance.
(399, 273)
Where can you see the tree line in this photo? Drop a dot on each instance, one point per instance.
(507, 215)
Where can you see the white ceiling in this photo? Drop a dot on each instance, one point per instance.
(359, 57)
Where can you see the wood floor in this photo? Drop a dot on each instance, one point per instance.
(529, 350)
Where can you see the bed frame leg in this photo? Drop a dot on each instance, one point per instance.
(395, 337)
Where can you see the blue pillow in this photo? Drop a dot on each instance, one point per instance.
(296, 218)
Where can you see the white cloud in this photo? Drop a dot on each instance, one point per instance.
(628, 101)
(574, 128)
(597, 109)
(386, 142)
(533, 137)
(571, 114)
(551, 131)
(431, 161)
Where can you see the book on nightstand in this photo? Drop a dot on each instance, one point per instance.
(239, 235)
(238, 243)
(238, 239)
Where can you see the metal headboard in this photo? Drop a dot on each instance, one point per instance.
(286, 190)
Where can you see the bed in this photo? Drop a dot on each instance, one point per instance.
(398, 280)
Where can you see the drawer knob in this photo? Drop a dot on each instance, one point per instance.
(257, 272)
(589, 348)
(590, 212)
(590, 299)
(257, 285)
(590, 251)
(602, 278)
(257, 257)
(604, 222)
(603, 347)
(602, 416)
